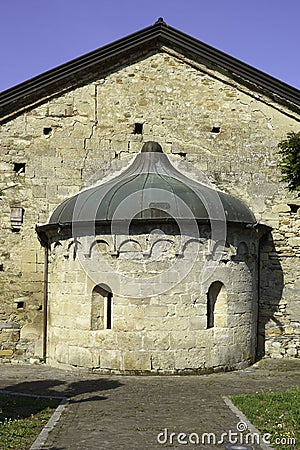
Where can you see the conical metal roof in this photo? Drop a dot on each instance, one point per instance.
(151, 188)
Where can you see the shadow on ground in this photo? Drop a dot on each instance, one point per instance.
(15, 407)
(62, 388)
(19, 407)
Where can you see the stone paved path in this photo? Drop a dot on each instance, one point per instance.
(115, 412)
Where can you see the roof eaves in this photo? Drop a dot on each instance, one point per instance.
(240, 71)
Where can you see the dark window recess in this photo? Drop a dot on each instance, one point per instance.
(40, 308)
(212, 297)
(109, 311)
(138, 128)
(47, 131)
(20, 305)
(1, 268)
(19, 168)
(16, 230)
(294, 208)
(215, 129)
(182, 154)
(210, 313)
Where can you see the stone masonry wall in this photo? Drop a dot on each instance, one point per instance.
(280, 286)
(198, 115)
(166, 333)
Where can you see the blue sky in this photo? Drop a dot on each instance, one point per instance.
(37, 35)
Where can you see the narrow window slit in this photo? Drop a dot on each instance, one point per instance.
(216, 306)
(102, 308)
(109, 312)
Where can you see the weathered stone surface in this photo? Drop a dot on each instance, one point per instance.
(6, 353)
(91, 136)
(281, 208)
(9, 325)
(166, 332)
(137, 361)
(294, 241)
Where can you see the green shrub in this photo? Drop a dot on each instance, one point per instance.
(289, 163)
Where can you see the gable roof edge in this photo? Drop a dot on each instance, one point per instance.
(67, 75)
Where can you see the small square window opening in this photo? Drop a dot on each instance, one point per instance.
(138, 128)
(19, 168)
(215, 129)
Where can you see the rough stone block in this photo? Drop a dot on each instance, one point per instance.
(224, 335)
(197, 323)
(294, 242)
(167, 323)
(29, 257)
(225, 355)
(281, 208)
(83, 357)
(9, 325)
(129, 341)
(58, 351)
(105, 339)
(156, 311)
(6, 353)
(182, 340)
(221, 320)
(137, 361)
(110, 359)
(83, 323)
(39, 191)
(192, 359)
(156, 340)
(163, 360)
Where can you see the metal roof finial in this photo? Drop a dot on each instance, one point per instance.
(151, 146)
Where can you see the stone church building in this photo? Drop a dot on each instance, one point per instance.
(144, 227)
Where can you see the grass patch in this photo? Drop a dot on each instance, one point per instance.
(22, 419)
(277, 413)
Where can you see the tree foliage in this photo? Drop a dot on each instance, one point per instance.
(289, 163)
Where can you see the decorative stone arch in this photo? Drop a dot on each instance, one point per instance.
(161, 247)
(222, 250)
(217, 305)
(101, 308)
(130, 245)
(102, 246)
(191, 244)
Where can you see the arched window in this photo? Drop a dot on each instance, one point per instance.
(101, 313)
(217, 305)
